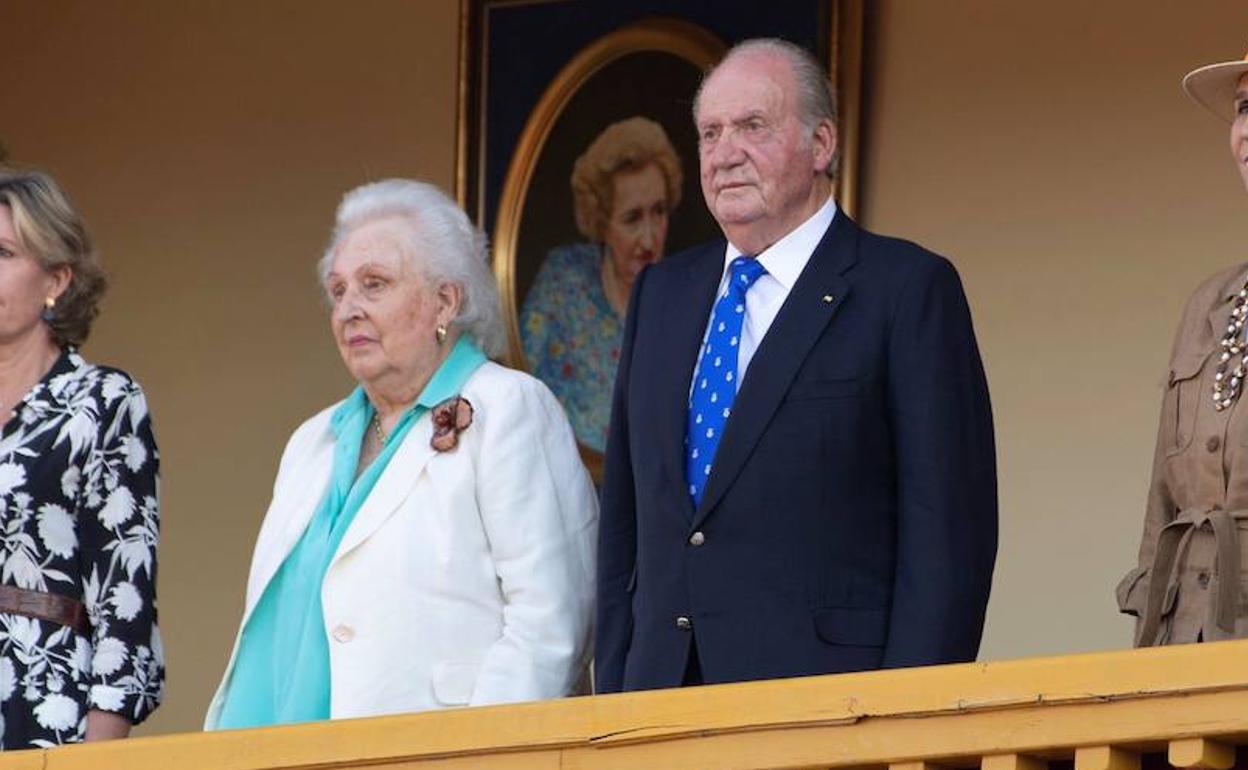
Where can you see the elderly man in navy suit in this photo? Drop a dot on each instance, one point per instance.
(800, 474)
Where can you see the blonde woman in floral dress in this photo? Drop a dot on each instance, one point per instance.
(80, 654)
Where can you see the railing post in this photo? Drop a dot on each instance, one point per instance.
(1106, 758)
(1201, 753)
(1012, 762)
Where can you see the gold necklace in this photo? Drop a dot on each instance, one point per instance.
(381, 434)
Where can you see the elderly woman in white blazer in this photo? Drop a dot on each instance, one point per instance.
(430, 541)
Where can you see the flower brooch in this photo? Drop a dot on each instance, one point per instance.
(450, 418)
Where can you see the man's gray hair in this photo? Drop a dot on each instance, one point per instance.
(816, 96)
(445, 248)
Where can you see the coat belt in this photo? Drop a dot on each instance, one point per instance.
(45, 606)
(1172, 546)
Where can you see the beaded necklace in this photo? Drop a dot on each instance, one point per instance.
(1226, 389)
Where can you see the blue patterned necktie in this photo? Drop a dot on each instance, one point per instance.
(715, 379)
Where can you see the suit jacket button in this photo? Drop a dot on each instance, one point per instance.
(343, 633)
(697, 538)
(1213, 444)
(684, 623)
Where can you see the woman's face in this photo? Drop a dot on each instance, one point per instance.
(1239, 130)
(384, 313)
(24, 284)
(637, 228)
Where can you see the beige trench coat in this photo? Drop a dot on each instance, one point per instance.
(1189, 584)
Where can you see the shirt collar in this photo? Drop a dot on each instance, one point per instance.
(446, 381)
(450, 377)
(1233, 285)
(787, 257)
(53, 383)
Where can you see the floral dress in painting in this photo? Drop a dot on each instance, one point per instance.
(572, 338)
(78, 506)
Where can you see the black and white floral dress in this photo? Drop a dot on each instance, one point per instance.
(79, 511)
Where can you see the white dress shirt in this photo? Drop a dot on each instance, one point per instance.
(785, 261)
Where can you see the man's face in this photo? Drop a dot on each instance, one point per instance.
(759, 164)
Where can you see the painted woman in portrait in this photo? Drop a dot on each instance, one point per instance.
(624, 188)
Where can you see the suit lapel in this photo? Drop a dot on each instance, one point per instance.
(298, 507)
(684, 322)
(394, 486)
(781, 353)
(1220, 313)
(293, 511)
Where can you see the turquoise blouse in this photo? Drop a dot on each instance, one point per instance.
(281, 672)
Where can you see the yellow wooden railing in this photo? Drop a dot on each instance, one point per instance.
(1101, 710)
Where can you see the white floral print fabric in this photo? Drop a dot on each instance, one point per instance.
(79, 516)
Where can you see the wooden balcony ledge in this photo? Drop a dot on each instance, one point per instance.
(1101, 711)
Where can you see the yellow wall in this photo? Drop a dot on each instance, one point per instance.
(207, 144)
(1048, 150)
(1045, 147)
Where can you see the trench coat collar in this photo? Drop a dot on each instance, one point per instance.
(1221, 311)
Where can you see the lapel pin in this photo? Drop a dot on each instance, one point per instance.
(827, 299)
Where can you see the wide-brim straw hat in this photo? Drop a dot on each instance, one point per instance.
(1213, 86)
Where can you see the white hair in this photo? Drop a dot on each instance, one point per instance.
(445, 248)
(816, 98)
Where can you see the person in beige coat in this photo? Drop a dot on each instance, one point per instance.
(1190, 576)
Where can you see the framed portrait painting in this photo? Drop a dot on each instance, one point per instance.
(576, 153)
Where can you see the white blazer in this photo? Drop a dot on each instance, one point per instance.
(466, 577)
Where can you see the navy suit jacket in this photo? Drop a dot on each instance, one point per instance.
(850, 519)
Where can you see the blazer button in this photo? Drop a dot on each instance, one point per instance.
(1203, 579)
(343, 633)
(1213, 443)
(697, 538)
(684, 623)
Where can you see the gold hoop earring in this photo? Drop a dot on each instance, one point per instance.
(440, 332)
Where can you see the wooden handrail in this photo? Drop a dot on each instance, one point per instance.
(1101, 710)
